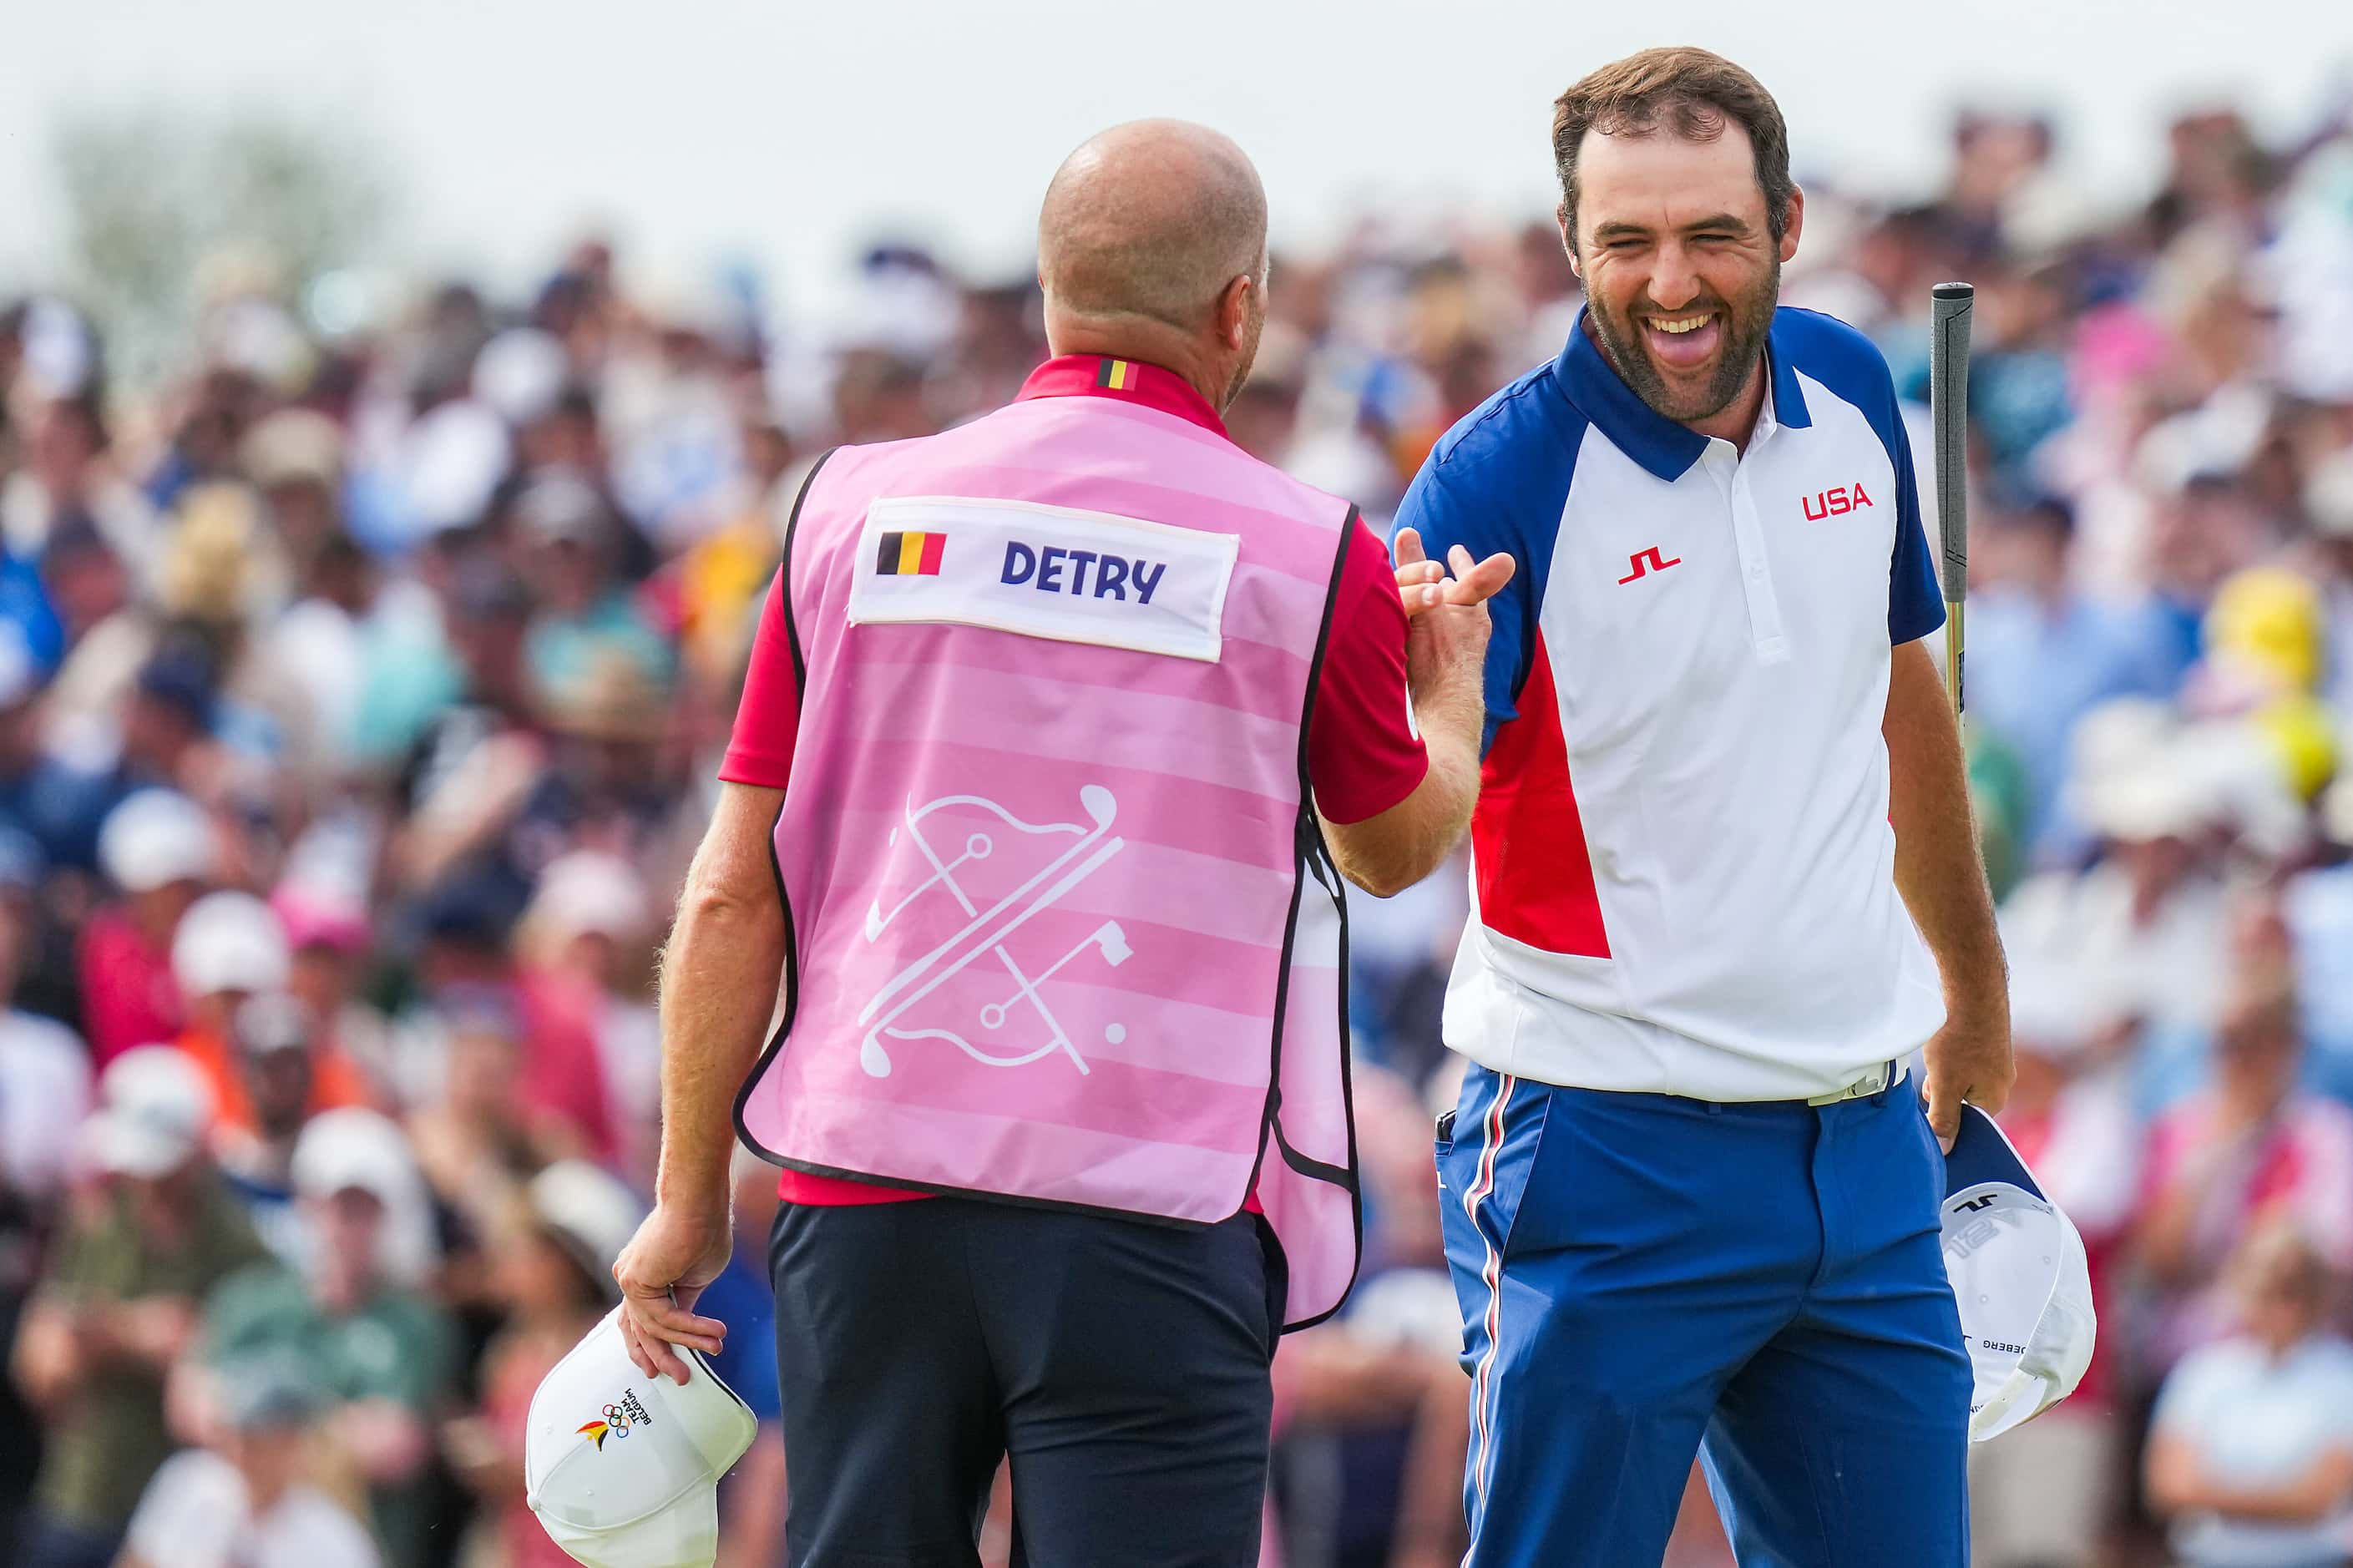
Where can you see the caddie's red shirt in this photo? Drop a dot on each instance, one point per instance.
(1363, 754)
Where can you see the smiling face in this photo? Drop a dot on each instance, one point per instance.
(1681, 268)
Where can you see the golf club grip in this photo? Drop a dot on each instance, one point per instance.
(1950, 305)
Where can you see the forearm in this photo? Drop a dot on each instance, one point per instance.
(1332, 1378)
(1453, 719)
(753, 1532)
(1429, 1492)
(1937, 869)
(719, 979)
(1389, 853)
(2178, 1483)
(46, 1362)
(2312, 1497)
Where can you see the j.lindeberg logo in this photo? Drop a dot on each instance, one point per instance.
(1644, 562)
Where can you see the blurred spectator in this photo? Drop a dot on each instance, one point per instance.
(588, 943)
(1370, 1408)
(472, 762)
(353, 1317)
(2328, 501)
(2251, 1458)
(472, 1140)
(2251, 1148)
(230, 948)
(158, 850)
(44, 1093)
(45, 1071)
(317, 586)
(752, 1519)
(568, 548)
(327, 926)
(248, 1499)
(553, 1093)
(555, 1278)
(295, 457)
(275, 1071)
(2045, 1493)
(2145, 926)
(117, 1305)
(67, 483)
(2043, 654)
(60, 806)
(615, 783)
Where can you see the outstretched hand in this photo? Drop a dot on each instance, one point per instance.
(1424, 585)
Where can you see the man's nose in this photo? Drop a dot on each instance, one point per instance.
(1675, 282)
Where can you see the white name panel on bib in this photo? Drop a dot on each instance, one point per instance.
(1040, 570)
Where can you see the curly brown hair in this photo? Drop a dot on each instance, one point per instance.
(1689, 91)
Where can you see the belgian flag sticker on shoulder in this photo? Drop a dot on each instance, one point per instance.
(909, 554)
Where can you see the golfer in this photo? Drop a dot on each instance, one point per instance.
(1023, 805)
(1725, 888)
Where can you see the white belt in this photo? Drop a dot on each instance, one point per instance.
(1886, 1075)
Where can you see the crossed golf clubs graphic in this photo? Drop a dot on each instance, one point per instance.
(985, 931)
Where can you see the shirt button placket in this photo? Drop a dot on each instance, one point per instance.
(1764, 605)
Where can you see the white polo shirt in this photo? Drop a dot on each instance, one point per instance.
(1683, 872)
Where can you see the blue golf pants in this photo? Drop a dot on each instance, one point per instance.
(1644, 1276)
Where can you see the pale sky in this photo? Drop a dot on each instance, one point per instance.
(786, 133)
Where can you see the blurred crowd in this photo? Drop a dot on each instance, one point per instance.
(362, 689)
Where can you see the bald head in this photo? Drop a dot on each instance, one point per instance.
(1152, 219)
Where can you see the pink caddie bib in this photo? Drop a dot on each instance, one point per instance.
(1064, 929)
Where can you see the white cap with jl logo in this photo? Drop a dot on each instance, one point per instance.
(623, 1469)
(2020, 1278)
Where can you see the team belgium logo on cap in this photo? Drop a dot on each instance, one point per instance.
(909, 554)
(617, 1421)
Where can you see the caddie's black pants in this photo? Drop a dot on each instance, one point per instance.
(1121, 1365)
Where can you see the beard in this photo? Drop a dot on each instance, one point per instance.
(1748, 320)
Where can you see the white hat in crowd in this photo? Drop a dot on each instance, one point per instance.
(353, 1149)
(591, 1213)
(521, 373)
(623, 1469)
(2020, 1278)
(230, 941)
(156, 838)
(154, 1112)
(2328, 495)
(590, 893)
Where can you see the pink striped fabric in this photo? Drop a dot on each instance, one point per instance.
(1043, 892)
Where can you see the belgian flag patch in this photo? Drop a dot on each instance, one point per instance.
(909, 554)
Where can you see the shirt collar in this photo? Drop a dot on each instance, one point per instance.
(1127, 380)
(1660, 444)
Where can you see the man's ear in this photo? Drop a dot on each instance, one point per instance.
(1567, 239)
(1233, 310)
(1797, 221)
